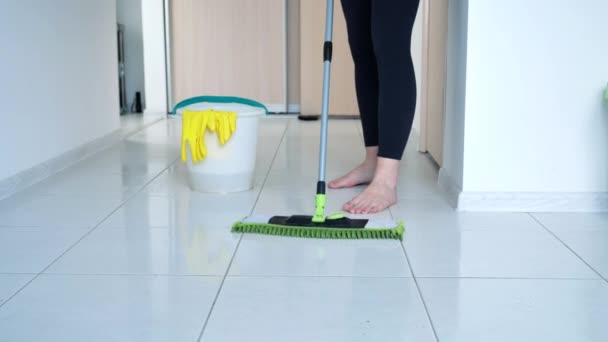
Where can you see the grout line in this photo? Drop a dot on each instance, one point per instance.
(510, 278)
(219, 290)
(426, 309)
(132, 275)
(570, 249)
(284, 276)
(86, 234)
(33, 227)
(231, 276)
(143, 127)
(17, 273)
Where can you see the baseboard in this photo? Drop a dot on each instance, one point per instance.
(29, 177)
(528, 202)
(533, 201)
(275, 107)
(151, 120)
(293, 108)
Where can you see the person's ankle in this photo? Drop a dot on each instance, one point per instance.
(370, 161)
(385, 182)
(387, 173)
(371, 155)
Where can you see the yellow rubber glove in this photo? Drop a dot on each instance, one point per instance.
(189, 135)
(196, 123)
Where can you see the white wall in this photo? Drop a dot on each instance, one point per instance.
(129, 14)
(59, 83)
(526, 129)
(154, 56)
(534, 117)
(453, 149)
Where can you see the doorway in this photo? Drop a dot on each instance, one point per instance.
(130, 56)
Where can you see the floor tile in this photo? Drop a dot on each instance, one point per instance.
(446, 218)
(503, 253)
(109, 308)
(27, 250)
(83, 182)
(132, 123)
(591, 246)
(146, 212)
(318, 309)
(150, 251)
(130, 167)
(11, 283)
(120, 153)
(585, 233)
(407, 207)
(150, 149)
(260, 255)
(10, 204)
(417, 188)
(191, 209)
(466, 310)
(299, 159)
(290, 185)
(166, 130)
(62, 211)
(573, 221)
(175, 181)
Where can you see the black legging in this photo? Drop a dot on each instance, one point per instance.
(379, 34)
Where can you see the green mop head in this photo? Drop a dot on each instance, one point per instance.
(334, 227)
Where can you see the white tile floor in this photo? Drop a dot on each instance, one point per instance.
(117, 248)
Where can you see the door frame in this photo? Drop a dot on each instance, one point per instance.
(422, 138)
(168, 68)
(427, 21)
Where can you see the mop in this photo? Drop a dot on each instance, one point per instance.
(334, 226)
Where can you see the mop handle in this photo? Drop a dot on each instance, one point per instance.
(327, 51)
(320, 198)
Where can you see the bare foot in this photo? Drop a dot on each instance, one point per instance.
(381, 193)
(362, 174)
(376, 198)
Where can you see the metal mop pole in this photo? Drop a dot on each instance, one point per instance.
(327, 51)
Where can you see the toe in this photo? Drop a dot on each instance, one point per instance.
(369, 208)
(350, 205)
(339, 183)
(374, 208)
(353, 207)
(362, 207)
(365, 210)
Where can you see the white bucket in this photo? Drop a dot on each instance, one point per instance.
(227, 168)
